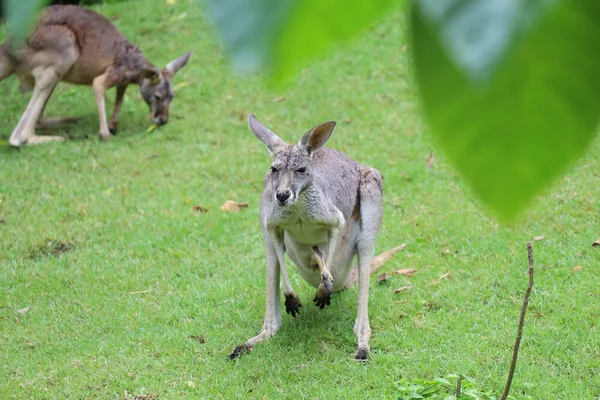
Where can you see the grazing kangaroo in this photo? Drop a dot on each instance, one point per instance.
(322, 208)
(79, 46)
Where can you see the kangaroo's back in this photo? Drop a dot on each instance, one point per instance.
(62, 29)
(99, 43)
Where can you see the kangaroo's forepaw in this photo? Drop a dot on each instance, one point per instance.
(362, 355)
(323, 296)
(323, 301)
(238, 351)
(327, 282)
(292, 304)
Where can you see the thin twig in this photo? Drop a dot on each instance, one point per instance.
(458, 384)
(142, 291)
(513, 363)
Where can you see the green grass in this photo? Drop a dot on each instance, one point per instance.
(86, 223)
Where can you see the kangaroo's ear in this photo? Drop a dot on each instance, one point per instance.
(314, 139)
(178, 63)
(265, 135)
(152, 74)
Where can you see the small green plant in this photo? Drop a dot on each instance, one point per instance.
(441, 388)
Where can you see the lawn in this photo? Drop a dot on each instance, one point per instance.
(122, 275)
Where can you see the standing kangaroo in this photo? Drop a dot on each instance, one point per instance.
(322, 208)
(79, 46)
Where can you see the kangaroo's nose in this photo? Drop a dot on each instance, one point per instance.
(283, 196)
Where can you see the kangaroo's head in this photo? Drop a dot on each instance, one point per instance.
(157, 89)
(292, 171)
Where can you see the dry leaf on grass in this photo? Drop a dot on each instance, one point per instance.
(402, 289)
(200, 209)
(231, 205)
(438, 280)
(23, 311)
(279, 99)
(539, 237)
(430, 160)
(596, 243)
(405, 271)
(152, 396)
(199, 338)
(577, 268)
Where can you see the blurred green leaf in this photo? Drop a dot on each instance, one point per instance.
(510, 89)
(20, 15)
(249, 29)
(285, 34)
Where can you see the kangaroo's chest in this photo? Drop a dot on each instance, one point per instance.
(307, 232)
(307, 222)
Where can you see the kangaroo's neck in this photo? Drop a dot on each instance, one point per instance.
(129, 63)
(309, 203)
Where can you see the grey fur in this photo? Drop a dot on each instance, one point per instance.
(322, 208)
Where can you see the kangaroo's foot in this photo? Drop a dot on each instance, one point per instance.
(45, 123)
(17, 142)
(270, 328)
(362, 330)
(292, 304)
(238, 351)
(112, 127)
(362, 355)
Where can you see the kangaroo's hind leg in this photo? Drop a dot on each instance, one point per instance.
(51, 55)
(54, 122)
(24, 132)
(370, 215)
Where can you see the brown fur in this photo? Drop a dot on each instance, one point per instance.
(79, 46)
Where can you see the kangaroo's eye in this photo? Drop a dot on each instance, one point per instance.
(273, 169)
(301, 170)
